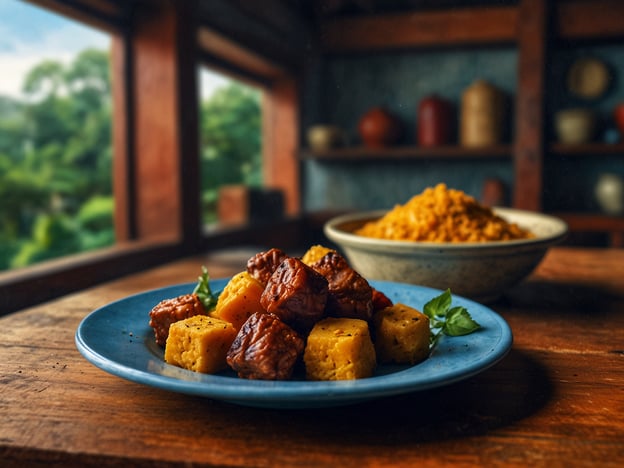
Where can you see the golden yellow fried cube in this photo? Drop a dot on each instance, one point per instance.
(339, 349)
(239, 300)
(199, 343)
(401, 335)
(314, 254)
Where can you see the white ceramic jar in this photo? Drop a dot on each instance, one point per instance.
(609, 193)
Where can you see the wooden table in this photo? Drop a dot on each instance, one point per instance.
(557, 399)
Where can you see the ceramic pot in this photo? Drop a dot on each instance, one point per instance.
(575, 126)
(325, 137)
(482, 109)
(493, 192)
(609, 193)
(379, 128)
(618, 117)
(435, 116)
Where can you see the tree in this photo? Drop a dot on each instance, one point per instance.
(55, 159)
(231, 142)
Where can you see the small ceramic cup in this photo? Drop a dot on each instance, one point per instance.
(609, 193)
(575, 126)
(323, 137)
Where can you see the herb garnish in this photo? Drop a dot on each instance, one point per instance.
(203, 291)
(447, 320)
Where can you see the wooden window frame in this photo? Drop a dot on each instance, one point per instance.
(154, 57)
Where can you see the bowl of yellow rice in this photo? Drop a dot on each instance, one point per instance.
(444, 238)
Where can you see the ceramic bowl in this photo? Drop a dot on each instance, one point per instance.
(481, 271)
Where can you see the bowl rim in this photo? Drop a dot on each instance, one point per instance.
(333, 231)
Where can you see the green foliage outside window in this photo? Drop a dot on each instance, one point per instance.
(56, 162)
(231, 143)
(56, 158)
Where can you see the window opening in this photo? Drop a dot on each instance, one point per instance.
(55, 137)
(231, 153)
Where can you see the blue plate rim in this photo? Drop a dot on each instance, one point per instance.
(285, 394)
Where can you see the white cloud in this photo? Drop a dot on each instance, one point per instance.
(51, 36)
(18, 54)
(209, 81)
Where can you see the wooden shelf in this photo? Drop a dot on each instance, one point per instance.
(587, 149)
(409, 153)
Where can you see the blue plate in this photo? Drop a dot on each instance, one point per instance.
(118, 339)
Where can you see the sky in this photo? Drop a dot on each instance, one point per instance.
(30, 34)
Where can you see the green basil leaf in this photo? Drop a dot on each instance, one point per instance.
(203, 291)
(459, 322)
(438, 306)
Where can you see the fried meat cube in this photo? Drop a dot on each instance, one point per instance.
(262, 265)
(339, 349)
(380, 300)
(350, 295)
(199, 343)
(296, 294)
(172, 310)
(265, 348)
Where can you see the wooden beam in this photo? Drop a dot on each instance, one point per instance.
(451, 27)
(231, 58)
(595, 19)
(187, 123)
(280, 121)
(101, 14)
(530, 120)
(123, 138)
(253, 31)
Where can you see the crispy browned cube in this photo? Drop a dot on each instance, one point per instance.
(339, 349)
(401, 335)
(199, 343)
(314, 254)
(240, 298)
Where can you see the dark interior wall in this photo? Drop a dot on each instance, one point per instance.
(339, 89)
(571, 180)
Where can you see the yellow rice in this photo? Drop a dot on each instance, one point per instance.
(439, 214)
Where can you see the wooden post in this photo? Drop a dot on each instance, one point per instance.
(160, 183)
(533, 19)
(281, 140)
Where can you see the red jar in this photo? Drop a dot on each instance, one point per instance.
(435, 118)
(618, 117)
(379, 128)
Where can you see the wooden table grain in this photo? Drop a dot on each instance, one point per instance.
(557, 399)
